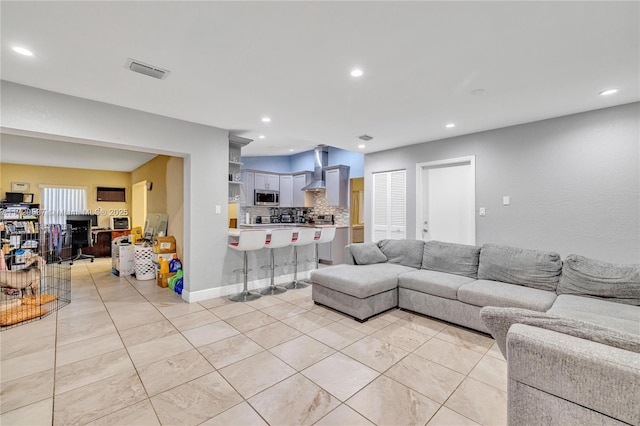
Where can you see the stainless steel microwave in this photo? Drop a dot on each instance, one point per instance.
(266, 198)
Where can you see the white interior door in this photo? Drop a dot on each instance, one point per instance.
(139, 204)
(445, 201)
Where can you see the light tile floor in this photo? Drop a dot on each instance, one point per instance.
(128, 352)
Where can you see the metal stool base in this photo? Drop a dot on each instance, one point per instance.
(245, 296)
(296, 285)
(272, 290)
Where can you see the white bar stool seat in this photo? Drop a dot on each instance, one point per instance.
(326, 236)
(279, 238)
(305, 236)
(248, 240)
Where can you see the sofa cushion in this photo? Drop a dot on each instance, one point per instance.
(495, 293)
(531, 268)
(602, 312)
(403, 252)
(453, 258)
(360, 281)
(367, 254)
(595, 278)
(499, 320)
(433, 282)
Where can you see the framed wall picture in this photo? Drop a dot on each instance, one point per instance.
(19, 187)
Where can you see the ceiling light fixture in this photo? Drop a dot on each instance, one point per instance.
(356, 72)
(450, 125)
(362, 146)
(261, 137)
(266, 120)
(608, 92)
(291, 150)
(22, 51)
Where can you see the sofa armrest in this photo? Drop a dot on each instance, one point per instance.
(348, 256)
(596, 376)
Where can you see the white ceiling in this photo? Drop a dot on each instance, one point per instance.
(44, 152)
(232, 63)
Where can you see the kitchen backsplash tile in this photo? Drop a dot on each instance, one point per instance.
(341, 215)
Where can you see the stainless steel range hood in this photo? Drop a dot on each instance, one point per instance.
(321, 160)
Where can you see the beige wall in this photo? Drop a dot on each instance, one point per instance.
(154, 171)
(91, 179)
(167, 193)
(165, 172)
(175, 201)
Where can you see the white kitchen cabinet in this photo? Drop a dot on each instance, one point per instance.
(333, 253)
(337, 181)
(248, 180)
(286, 191)
(267, 181)
(302, 198)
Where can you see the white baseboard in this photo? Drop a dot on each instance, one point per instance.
(212, 293)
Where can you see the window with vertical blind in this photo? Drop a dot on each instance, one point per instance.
(389, 205)
(58, 202)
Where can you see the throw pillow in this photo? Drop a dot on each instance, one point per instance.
(367, 253)
(499, 320)
(530, 268)
(453, 258)
(403, 252)
(604, 280)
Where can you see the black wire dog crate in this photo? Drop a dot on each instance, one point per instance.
(34, 280)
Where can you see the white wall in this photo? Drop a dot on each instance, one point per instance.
(574, 182)
(32, 112)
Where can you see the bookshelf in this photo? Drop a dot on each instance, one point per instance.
(19, 228)
(235, 165)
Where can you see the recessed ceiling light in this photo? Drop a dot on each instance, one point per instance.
(266, 120)
(291, 150)
(23, 51)
(477, 92)
(261, 137)
(608, 92)
(362, 146)
(450, 125)
(356, 72)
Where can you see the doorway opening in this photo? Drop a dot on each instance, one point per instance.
(445, 200)
(357, 210)
(139, 203)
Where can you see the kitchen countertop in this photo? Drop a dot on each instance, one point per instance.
(288, 225)
(235, 232)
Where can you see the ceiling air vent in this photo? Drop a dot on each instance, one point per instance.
(146, 69)
(365, 137)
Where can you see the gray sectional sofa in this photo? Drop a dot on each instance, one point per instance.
(570, 330)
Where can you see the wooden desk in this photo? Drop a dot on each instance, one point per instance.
(102, 241)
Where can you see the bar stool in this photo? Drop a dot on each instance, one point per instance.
(248, 240)
(305, 236)
(279, 238)
(326, 236)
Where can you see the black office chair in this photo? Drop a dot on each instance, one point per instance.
(80, 237)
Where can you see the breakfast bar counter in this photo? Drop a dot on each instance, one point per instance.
(330, 253)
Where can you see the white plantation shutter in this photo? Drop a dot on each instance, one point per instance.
(389, 205)
(57, 203)
(398, 205)
(380, 206)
